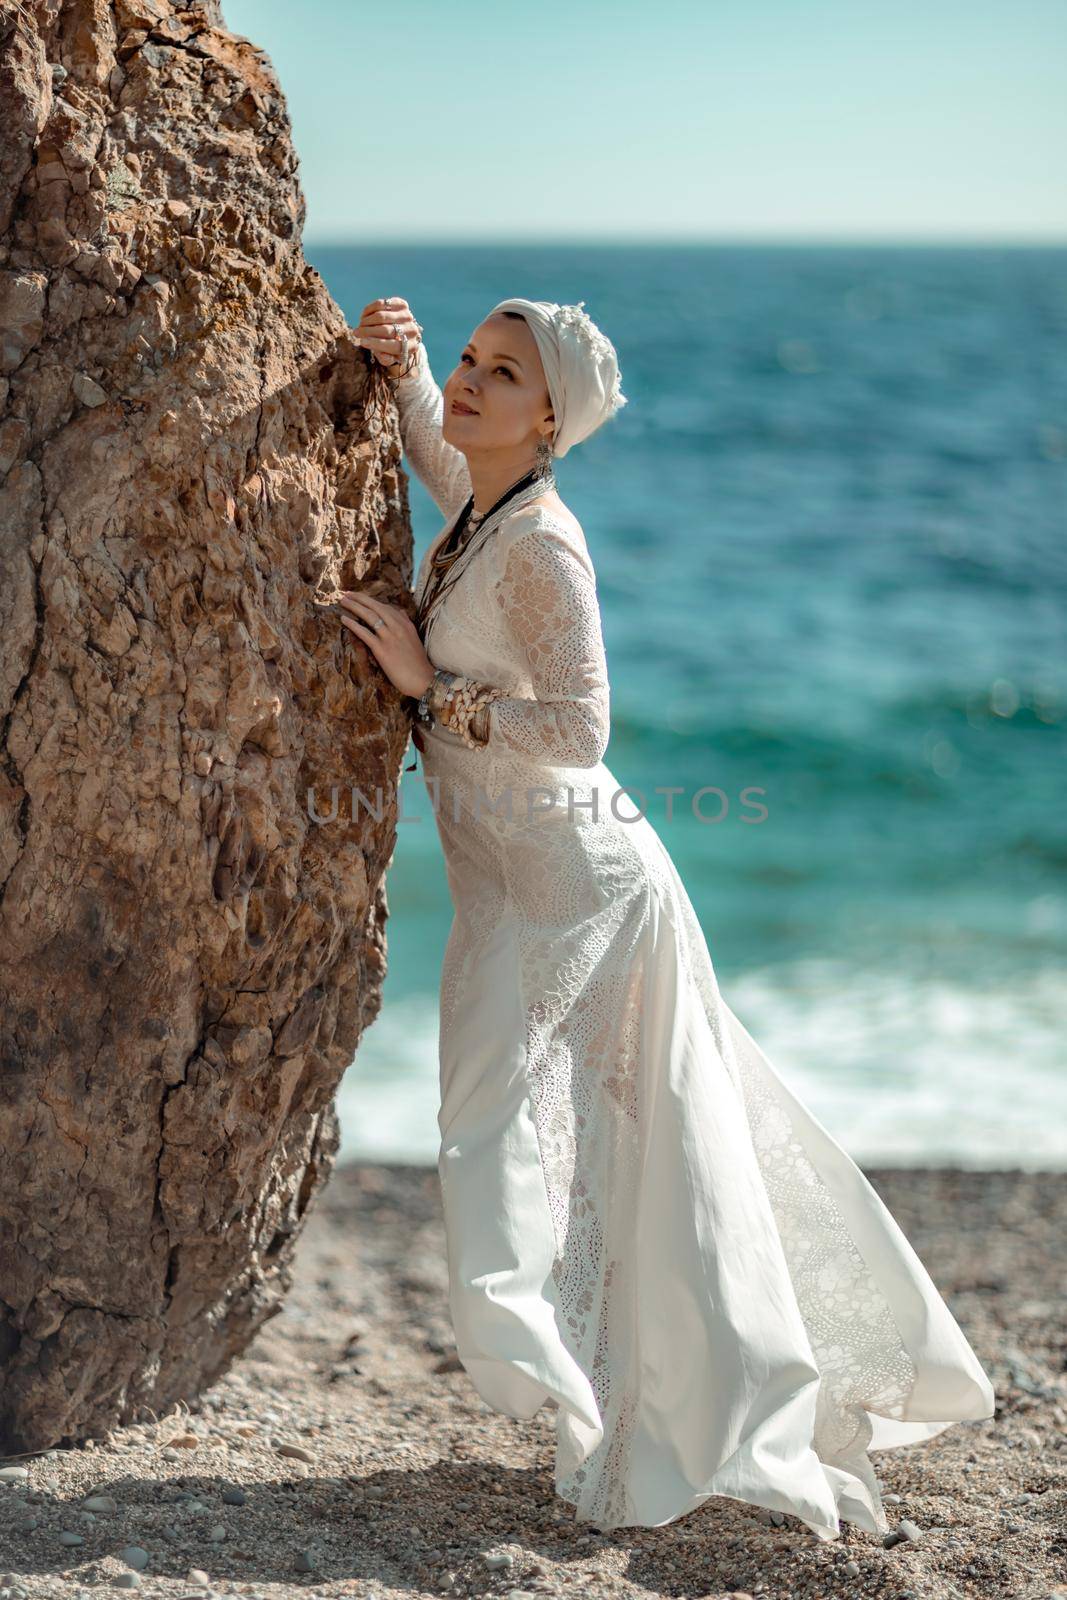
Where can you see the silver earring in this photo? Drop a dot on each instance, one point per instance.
(544, 458)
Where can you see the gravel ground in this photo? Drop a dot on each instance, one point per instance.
(348, 1454)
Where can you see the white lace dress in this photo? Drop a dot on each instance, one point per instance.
(644, 1224)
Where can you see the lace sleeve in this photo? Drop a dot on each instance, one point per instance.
(547, 591)
(438, 465)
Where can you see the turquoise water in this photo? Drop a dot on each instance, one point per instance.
(829, 533)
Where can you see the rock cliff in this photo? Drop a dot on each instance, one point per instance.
(189, 469)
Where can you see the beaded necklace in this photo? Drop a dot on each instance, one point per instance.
(444, 573)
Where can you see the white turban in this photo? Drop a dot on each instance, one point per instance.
(581, 367)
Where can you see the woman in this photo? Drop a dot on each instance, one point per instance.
(644, 1224)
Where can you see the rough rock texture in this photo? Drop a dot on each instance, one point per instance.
(188, 470)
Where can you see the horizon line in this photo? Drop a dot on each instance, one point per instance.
(722, 241)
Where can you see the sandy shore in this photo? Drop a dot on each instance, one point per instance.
(348, 1454)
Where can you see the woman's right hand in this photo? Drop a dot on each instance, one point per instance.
(383, 326)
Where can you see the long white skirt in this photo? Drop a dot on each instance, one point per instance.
(644, 1224)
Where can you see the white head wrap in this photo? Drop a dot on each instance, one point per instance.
(581, 367)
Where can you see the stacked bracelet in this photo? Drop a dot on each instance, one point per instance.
(461, 704)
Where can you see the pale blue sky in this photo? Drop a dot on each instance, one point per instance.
(728, 119)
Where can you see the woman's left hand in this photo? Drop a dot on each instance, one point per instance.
(393, 638)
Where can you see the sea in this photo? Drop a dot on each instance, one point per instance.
(830, 536)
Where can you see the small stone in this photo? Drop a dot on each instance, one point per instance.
(69, 1538)
(851, 1569)
(135, 1556)
(909, 1530)
(14, 1474)
(198, 1575)
(502, 1559)
(100, 1502)
(126, 1580)
(89, 392)
(234, 1497)
(305, 1561)
(295, 1451)
(217, 1534)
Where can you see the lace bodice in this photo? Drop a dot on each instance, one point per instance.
(538, 589)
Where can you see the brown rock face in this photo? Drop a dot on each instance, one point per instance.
(188, 469)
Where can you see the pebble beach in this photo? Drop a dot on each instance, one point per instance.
(347, 1453)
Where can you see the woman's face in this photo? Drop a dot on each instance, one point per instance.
(501, 379)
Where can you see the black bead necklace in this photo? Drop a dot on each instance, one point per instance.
(466, 526)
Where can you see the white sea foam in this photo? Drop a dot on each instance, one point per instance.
(389, 1096)
(907, 1070)
(901, 1070)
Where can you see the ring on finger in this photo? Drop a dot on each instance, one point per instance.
(368, 614)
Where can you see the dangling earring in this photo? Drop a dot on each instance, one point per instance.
(544, 458)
